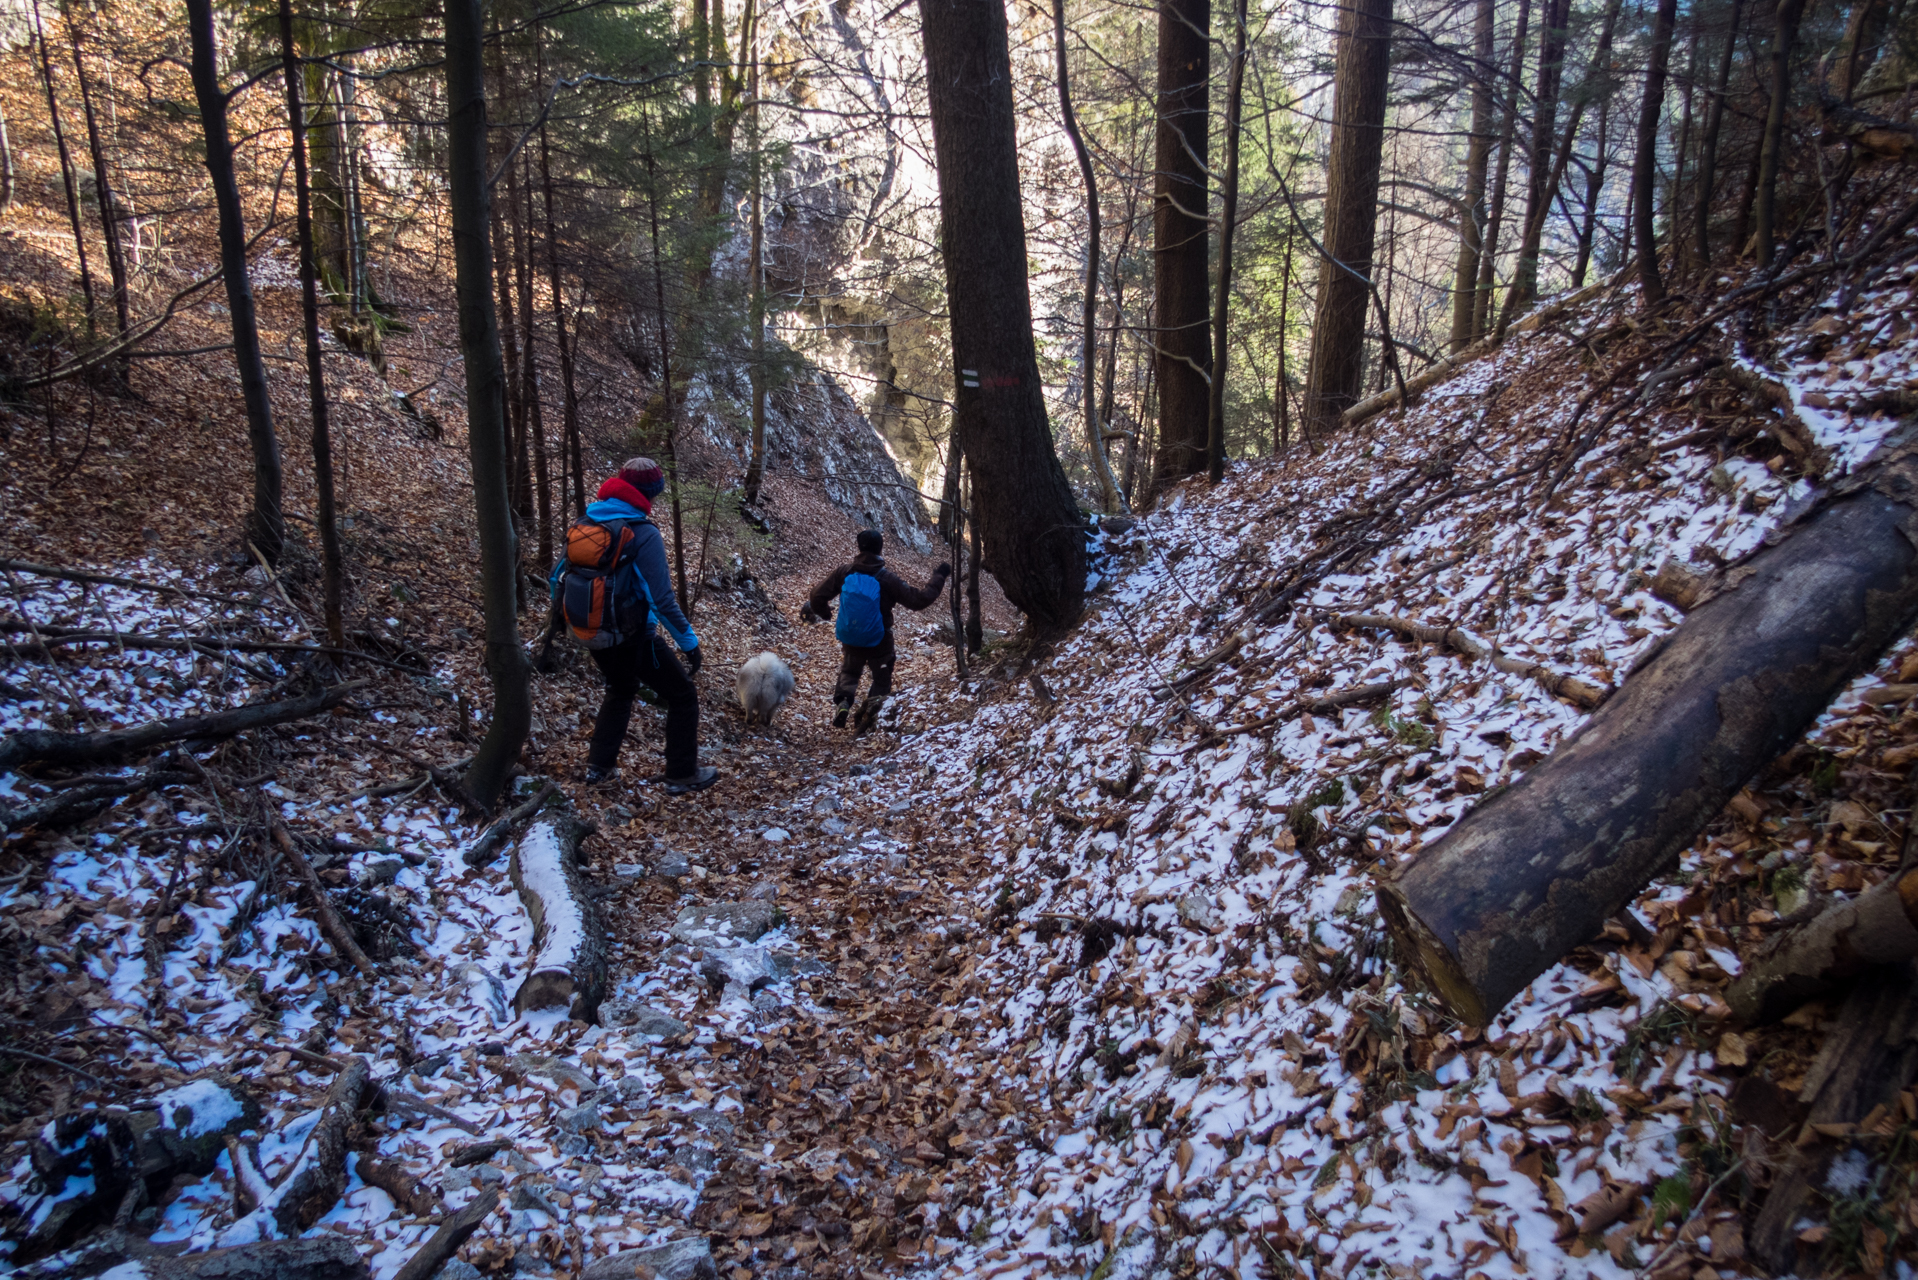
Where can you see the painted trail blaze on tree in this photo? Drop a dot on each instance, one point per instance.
(1034, 541)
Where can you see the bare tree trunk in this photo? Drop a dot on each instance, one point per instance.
(66, 164)
(530, 393)
(1784, 38)
(266, 524)
(1180, 253)
(103, 190)
(1594, 190)
(326, 517)
(1228, 215)
(559, 329)
(1336, 368)
(486, 425)
(1596, 74)
(1538, 193)
(1507, 139)
(1032, 534)
(1708, 146)
(1110, 499)
(665, 358)
(1645, 163)
(1281, 392)
(516, 488)
(6, 165)
(1680, 243)
(756, 284)
(1478, 153)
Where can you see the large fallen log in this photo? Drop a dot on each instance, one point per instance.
(318, 1176)
(453, 1232)
(1537, 870)
(46, 746)
(121, 1256)
(1878, 927)
(569, 943)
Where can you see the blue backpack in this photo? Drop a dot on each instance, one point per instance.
(860, 622)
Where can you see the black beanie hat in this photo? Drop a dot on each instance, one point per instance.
(871, 541)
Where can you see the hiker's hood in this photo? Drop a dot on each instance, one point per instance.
(867, 562)
(613, 509)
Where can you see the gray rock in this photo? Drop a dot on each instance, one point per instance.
(459, 1269)
(827, 804)
(559, 1071)
(581, 1119)
(834, 827)
(672, 866)
(1118, 525)
(859, 771)
(750, 967)
(768, 1001)
(721, 923)
(527, 1196)
(688, 1259)
(629, 870)
(898, 807)
(640, 1019)
(574, 1144)
(787, 967)
(764, 891)
(714, 1122)
(626, 1089)
(380, 871)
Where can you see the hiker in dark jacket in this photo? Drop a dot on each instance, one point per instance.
(642, 659)
(859, 608)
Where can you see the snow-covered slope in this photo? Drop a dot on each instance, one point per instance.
(1196, 1013)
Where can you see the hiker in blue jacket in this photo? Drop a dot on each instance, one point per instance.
(621, 638)
(867, 591)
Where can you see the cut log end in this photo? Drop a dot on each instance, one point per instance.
(569, 940)
(1431, 959)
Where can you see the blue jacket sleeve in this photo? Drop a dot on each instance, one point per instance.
(656, 581)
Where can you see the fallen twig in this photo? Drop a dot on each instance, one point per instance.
(1328, 702)
(484, 849)
(1571, 688)
(445, 1242)
(330, 923)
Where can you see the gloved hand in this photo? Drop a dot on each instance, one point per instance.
(806, 614)
(695, 659)
(944, 569)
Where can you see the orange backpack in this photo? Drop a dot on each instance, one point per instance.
(596, 585)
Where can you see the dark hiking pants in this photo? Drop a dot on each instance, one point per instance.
(646, 660)
(855, 661)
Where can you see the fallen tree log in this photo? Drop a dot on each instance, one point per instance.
(330, 923)
(445, 1242)
(1878, 927)
(125, 1257)
(318, 1176)
(76, 804)
(47, 747)
(569, 944)
(1570, 688)
(1868, 1059)
(1537, 870)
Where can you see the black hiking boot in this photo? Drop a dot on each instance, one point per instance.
(704, 776)
(595, 775)
(840, 711)
(868, 717)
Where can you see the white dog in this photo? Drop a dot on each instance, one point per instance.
(763, 685)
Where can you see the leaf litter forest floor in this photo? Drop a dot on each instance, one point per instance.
(1069, 973)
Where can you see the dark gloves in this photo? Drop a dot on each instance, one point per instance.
(806, 613)
(695, 660)
(944, 570)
